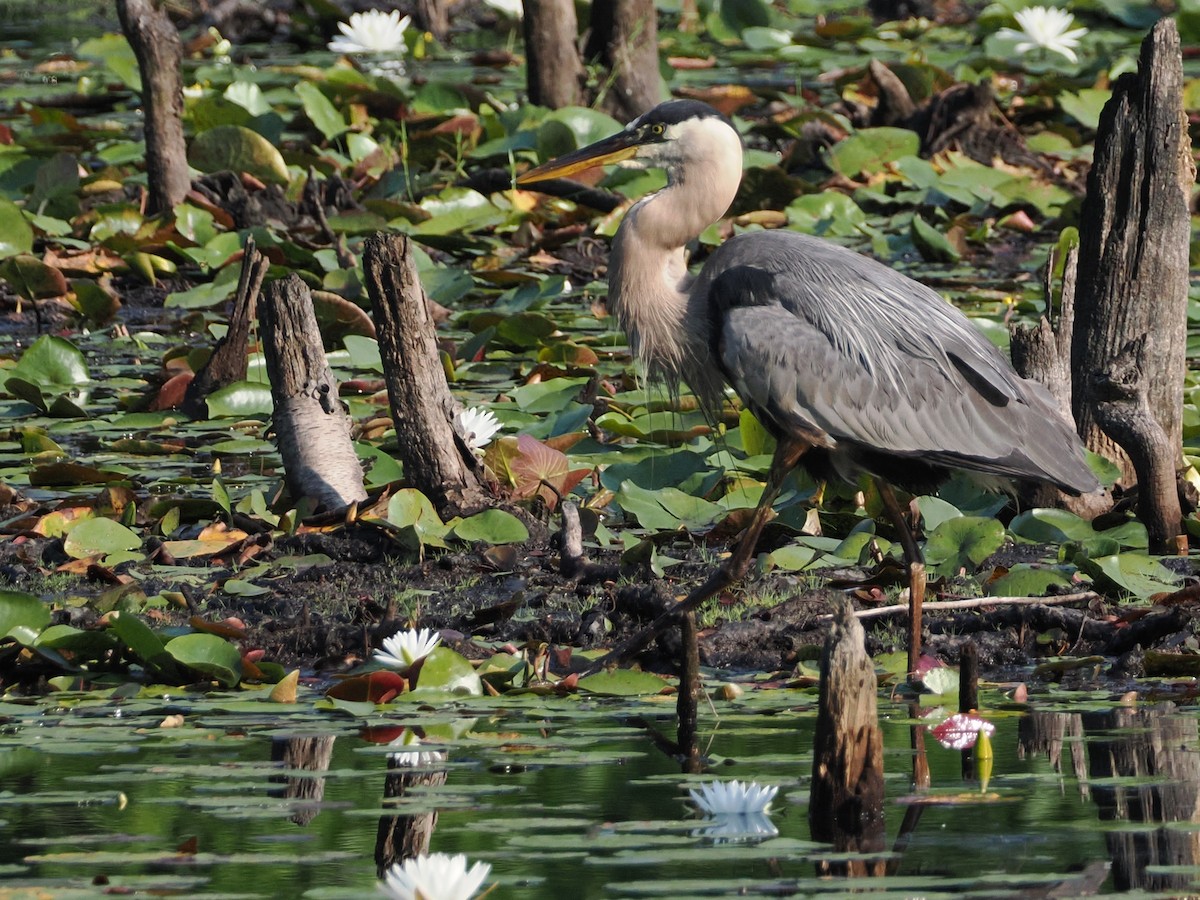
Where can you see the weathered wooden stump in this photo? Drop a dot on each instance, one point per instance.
(228, 362)
(436, 458)
(846, 798)
(311, 426)
(690, 690)
(159, 52)
(1133, 283)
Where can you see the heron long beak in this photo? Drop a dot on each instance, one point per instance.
(622, 145)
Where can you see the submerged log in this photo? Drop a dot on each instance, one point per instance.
(159, 51)
(1133, 262)
(846, 798)
(436, 458)
(311, 426)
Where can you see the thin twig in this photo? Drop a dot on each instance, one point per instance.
(974, 603)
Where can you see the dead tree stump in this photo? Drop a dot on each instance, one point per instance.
(624, 39)
(436, 459)
(554, 70)
(846, 798)
(159, 52)
(228, 362)
(1133, 258)
(311, 426)
(303, 754)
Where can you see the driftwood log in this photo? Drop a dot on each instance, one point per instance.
(846, 797)
(311, 426)
(228, 362)
(436, 458)
(159, 52)
(1133, 278)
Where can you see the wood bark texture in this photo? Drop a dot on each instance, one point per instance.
(399, 838)
(436, 459)
(846, 796)
(624, 40)
(434, 16)
(687, 703)
(1042, 353)
(554, 68)
(311, 427)
(228, 362)
(1121, 407)
(159, 52)
(1134, 236)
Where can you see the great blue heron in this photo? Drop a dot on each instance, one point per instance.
(852, 366)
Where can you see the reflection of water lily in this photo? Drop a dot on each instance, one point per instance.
(438, 876)
(737, 827)
(414, 757)
(478, 426)
(961, 731)
(733, 798)
(1045, 28)
(371, 32)
(404, 648)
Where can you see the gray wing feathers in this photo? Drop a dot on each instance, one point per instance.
(837, 348)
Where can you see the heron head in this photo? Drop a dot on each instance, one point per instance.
(667, 137)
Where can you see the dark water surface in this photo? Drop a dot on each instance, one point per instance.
(564, 797)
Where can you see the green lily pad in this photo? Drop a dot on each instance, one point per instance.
(492, 526)
(235, 148)
(870, 150)
(445, 671)
(320, 111)
(16, 234)
(99, 537)
(52, 362)
(33, 279)
(963, 542)
(1132, 573)
(209, 655)
(241, 400)
(23, 613)
(623, 683)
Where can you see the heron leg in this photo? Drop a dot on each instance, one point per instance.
(916, 570)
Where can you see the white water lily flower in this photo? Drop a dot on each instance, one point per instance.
(404, 648)
(514, 9)
(732, 798)
(438, 876)
(373, 31)
(1046, 28)
(478, 426)
(412, 756)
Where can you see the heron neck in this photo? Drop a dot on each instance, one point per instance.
(648, 275)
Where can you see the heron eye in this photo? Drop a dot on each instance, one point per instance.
(657, 128)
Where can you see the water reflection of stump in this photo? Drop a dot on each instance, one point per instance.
(1157, 744)
(1051, 733)
(309, 754)
(403, 837)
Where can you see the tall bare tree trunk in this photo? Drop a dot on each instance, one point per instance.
(1133, 278)
(553, 69)
(436, 459)
(159, 52)
(624, 39)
